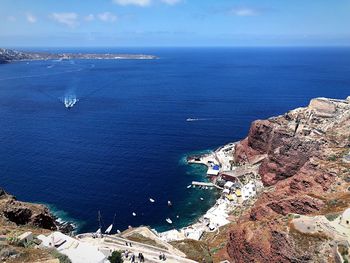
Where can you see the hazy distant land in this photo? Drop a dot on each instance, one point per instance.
(8, 55)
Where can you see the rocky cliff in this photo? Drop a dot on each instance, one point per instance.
(16, 213)
(305, 168)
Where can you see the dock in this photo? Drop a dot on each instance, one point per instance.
(205, 184)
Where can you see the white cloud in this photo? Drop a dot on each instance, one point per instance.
(244, 11)
(90, 17)
(133, 2)
(171, 2)
(68, 19)
(31, 18)
(107, 17)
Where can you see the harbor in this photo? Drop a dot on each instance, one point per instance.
(237, 186)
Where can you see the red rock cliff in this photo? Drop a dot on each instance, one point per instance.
(302, 166)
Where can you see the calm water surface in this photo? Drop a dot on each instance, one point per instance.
(126, 139)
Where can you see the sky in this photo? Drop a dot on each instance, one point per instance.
(175, 23)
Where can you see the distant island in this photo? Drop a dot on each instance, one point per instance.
(9, 55)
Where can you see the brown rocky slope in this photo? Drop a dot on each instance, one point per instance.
(304, 167)
(13, 212)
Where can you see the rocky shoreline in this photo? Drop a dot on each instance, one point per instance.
(17, 213)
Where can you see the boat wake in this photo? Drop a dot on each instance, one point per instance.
(69, 101)
(197, 119)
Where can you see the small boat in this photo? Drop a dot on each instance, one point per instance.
(109, 229)
(70, 101)
(206, 188)
(177, 216)
(151, 200)
(189, 186)
(169, 203)
(201, 198)
(169, 220)
(133, 213)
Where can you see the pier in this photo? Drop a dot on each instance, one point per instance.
(205, 184)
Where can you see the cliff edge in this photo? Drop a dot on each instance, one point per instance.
(305, 167)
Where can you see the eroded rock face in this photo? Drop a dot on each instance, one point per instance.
(21, 213)
(286, 160)
(18, 215)
(249, 243)
(44, 220)
(297, 205)
(260, 135)
(302, 161)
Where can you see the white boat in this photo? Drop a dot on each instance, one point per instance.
(133, 213)
(151, 200)
(189, 186)
(70, 101)
(202, 198)
(169, 203)
(169, 220)
(191, 119)
(109, 229)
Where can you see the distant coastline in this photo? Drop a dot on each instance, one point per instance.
(9, 55)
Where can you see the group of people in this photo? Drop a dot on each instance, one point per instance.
(162, 256)
(132, 257)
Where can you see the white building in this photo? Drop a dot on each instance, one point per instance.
(77, 251)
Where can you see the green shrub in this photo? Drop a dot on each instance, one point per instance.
(332, 217)
(332, 158)
(13, 240)
(62, 258)
(115, 257)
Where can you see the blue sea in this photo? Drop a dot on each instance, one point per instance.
(127, 138)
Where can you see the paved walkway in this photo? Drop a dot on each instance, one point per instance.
(151, 253)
